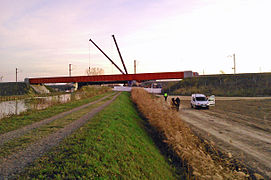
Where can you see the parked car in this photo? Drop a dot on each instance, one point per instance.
(211, 100)
(199, 101)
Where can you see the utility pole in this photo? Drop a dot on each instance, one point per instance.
(70, 70)
(16, 74)
(234, 65)
(134, 66)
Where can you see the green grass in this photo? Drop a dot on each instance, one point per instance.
(29, 117)
(249, 84)
(45, 130)
(113, 144)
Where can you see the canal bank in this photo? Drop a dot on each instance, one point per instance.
(29, 116)
(21, 104)
(20, 90)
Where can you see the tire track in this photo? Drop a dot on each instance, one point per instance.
(19, 132)
(16, 162)
(243, 139)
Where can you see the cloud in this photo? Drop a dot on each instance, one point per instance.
(43, 37)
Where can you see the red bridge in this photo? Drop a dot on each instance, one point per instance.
(102, 79)
(121, 78)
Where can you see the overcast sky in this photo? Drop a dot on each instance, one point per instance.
(42, 37)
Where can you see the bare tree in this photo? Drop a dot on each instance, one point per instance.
(1, 78)
(94, 71)
(222, 72)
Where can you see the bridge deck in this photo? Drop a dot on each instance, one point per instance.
(112, 78)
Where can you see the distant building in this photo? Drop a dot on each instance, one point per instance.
(195, 74)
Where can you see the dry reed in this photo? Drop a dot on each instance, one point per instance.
(181, 139)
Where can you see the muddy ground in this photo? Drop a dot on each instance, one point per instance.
(239, 127)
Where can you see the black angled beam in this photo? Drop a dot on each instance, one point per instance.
(120, 54)
(107, 56)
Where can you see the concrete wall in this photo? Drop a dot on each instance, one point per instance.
(40, 89)
(128, 89)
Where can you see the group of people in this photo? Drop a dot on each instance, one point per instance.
(174, 102)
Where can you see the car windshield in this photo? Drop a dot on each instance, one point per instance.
(201, 98)
(211, 98)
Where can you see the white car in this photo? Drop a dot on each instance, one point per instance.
(199, 101)
(211, 100)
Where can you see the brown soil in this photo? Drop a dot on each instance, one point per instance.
(239, 127)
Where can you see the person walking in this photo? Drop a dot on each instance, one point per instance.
(165, 96)
(173, 102)
(177, 102)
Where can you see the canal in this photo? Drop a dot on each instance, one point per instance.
(16, 107)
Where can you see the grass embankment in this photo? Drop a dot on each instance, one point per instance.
(45, 130)
(16, 91)
(113, 144)
(14, 122)
(15, 88)
(20, 90)
(180, 138)
(253, 84)
(28, 93)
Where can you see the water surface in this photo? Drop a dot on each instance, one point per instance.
(16, 107)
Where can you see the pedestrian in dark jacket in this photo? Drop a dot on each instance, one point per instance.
(173, 102)
(177, 102)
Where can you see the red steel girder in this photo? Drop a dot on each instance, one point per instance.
(113, 78)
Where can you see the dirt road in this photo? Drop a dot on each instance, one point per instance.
(239, 126)
(21, 131)
(16, 162)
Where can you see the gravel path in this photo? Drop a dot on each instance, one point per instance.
(19, 132)
(16, 162)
